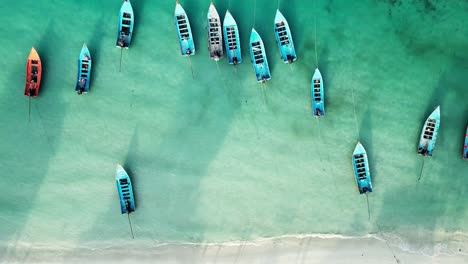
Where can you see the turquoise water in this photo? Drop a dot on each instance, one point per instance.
(220, 157)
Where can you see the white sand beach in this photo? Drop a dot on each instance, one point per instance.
(300, 250)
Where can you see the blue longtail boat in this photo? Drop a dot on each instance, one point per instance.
(465, 146)
(318, 98)
(184, 31)
(232, 39)
(84, 71)
(126, 22)
(429, 133)
(124, 187)
(215, 36)
(361, 169)
(258, 57)
(284, 39)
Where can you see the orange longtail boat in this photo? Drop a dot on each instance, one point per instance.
(33, 74)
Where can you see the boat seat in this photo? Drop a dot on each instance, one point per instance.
(126, 22)
(180, 17)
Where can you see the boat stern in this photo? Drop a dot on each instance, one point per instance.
(364, 187)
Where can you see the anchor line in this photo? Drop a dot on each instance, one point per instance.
(320, 137)
(120, 66)
(388, 246)
(315, 34)
(355, 115)
(191, 67)
(217, 66)
(264, 92)
(29, 110)
(422, 169)
(368, 207)
(130, 223)
(255, 12)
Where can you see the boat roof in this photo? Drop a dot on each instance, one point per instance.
(212, 12)
(33, 55)
(279, 17)
(435, 114)
(179, 9)
(126, 7)
(359, 149)
(317, 74)
(229, 19)
(254, 36)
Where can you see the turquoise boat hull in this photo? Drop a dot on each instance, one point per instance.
(465, 146)
(124, 188)
(126, 22)
(215, 35)
(258, 57)
(318, 97)
(429, 133)
(184, 31)
(232, 39)
(284, 39)
(84, 71)
(361, 169)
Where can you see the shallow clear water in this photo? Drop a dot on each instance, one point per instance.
(220, 157)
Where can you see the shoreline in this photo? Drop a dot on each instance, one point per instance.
(317, 248)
